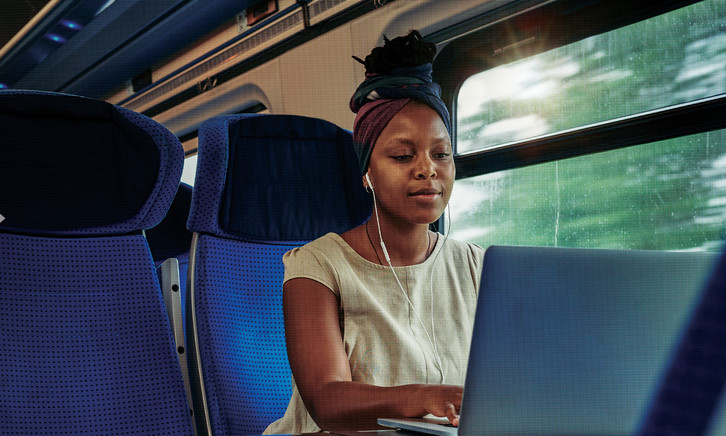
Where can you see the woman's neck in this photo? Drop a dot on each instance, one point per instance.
(406, 243)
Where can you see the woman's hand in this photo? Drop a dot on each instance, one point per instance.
(443, 400)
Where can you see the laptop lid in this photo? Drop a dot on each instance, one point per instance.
(573, 341)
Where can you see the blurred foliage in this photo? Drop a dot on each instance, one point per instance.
(669, 195)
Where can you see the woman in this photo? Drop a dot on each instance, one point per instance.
(378, 319)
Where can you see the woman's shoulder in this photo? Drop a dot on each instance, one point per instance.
(467, 249)
(327, 245)
(318, 260)
(327, 241)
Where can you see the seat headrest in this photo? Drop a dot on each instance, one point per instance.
(74, 165)
(276, 178)
(171, 238)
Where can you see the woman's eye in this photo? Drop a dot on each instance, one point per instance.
(442, 155)
(402, 157)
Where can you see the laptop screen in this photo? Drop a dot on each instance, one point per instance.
(575, 341)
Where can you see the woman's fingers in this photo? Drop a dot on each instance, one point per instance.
(444, 400)
(451, 413)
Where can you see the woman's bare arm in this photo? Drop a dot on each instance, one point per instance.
(322, 372)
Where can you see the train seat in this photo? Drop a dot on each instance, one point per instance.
(170, 240)
(85, 341)
(264, 185)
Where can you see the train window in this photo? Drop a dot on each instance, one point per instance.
(190, 169)
(669, 59)
(665, 195)
(190, 143)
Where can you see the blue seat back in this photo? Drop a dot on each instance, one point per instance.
(84, 337)
(264, 184)
(170, 239)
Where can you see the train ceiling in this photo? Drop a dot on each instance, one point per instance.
(86, 47)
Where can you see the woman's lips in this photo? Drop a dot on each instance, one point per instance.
(425, 194)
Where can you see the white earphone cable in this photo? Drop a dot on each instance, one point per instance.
(431, 288)
(403, 291)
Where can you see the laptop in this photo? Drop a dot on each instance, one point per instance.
(571, 341)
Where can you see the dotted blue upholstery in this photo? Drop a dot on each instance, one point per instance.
(212, 163)
(241, 333)
(276, 178)
(171, 239)
(84, 340)
(80, 165)
(264, 184)
(85, 343)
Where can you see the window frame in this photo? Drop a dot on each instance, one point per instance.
(532, 27)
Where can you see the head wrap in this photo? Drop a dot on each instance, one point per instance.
(381, 96)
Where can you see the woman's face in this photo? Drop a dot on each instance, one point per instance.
(412, 167)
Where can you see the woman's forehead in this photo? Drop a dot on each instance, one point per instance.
(415, 125)
(414, 139)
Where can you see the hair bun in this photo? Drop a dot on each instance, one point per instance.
(401, 52)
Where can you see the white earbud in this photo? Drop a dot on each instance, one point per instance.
(375, 208)
(368, 179)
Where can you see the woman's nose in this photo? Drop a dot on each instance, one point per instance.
(425, 169)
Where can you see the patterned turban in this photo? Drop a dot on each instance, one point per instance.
(379, 98)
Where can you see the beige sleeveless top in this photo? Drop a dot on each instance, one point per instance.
(389, 341)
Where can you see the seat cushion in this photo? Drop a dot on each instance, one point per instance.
(74, 358)
(238, 304)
